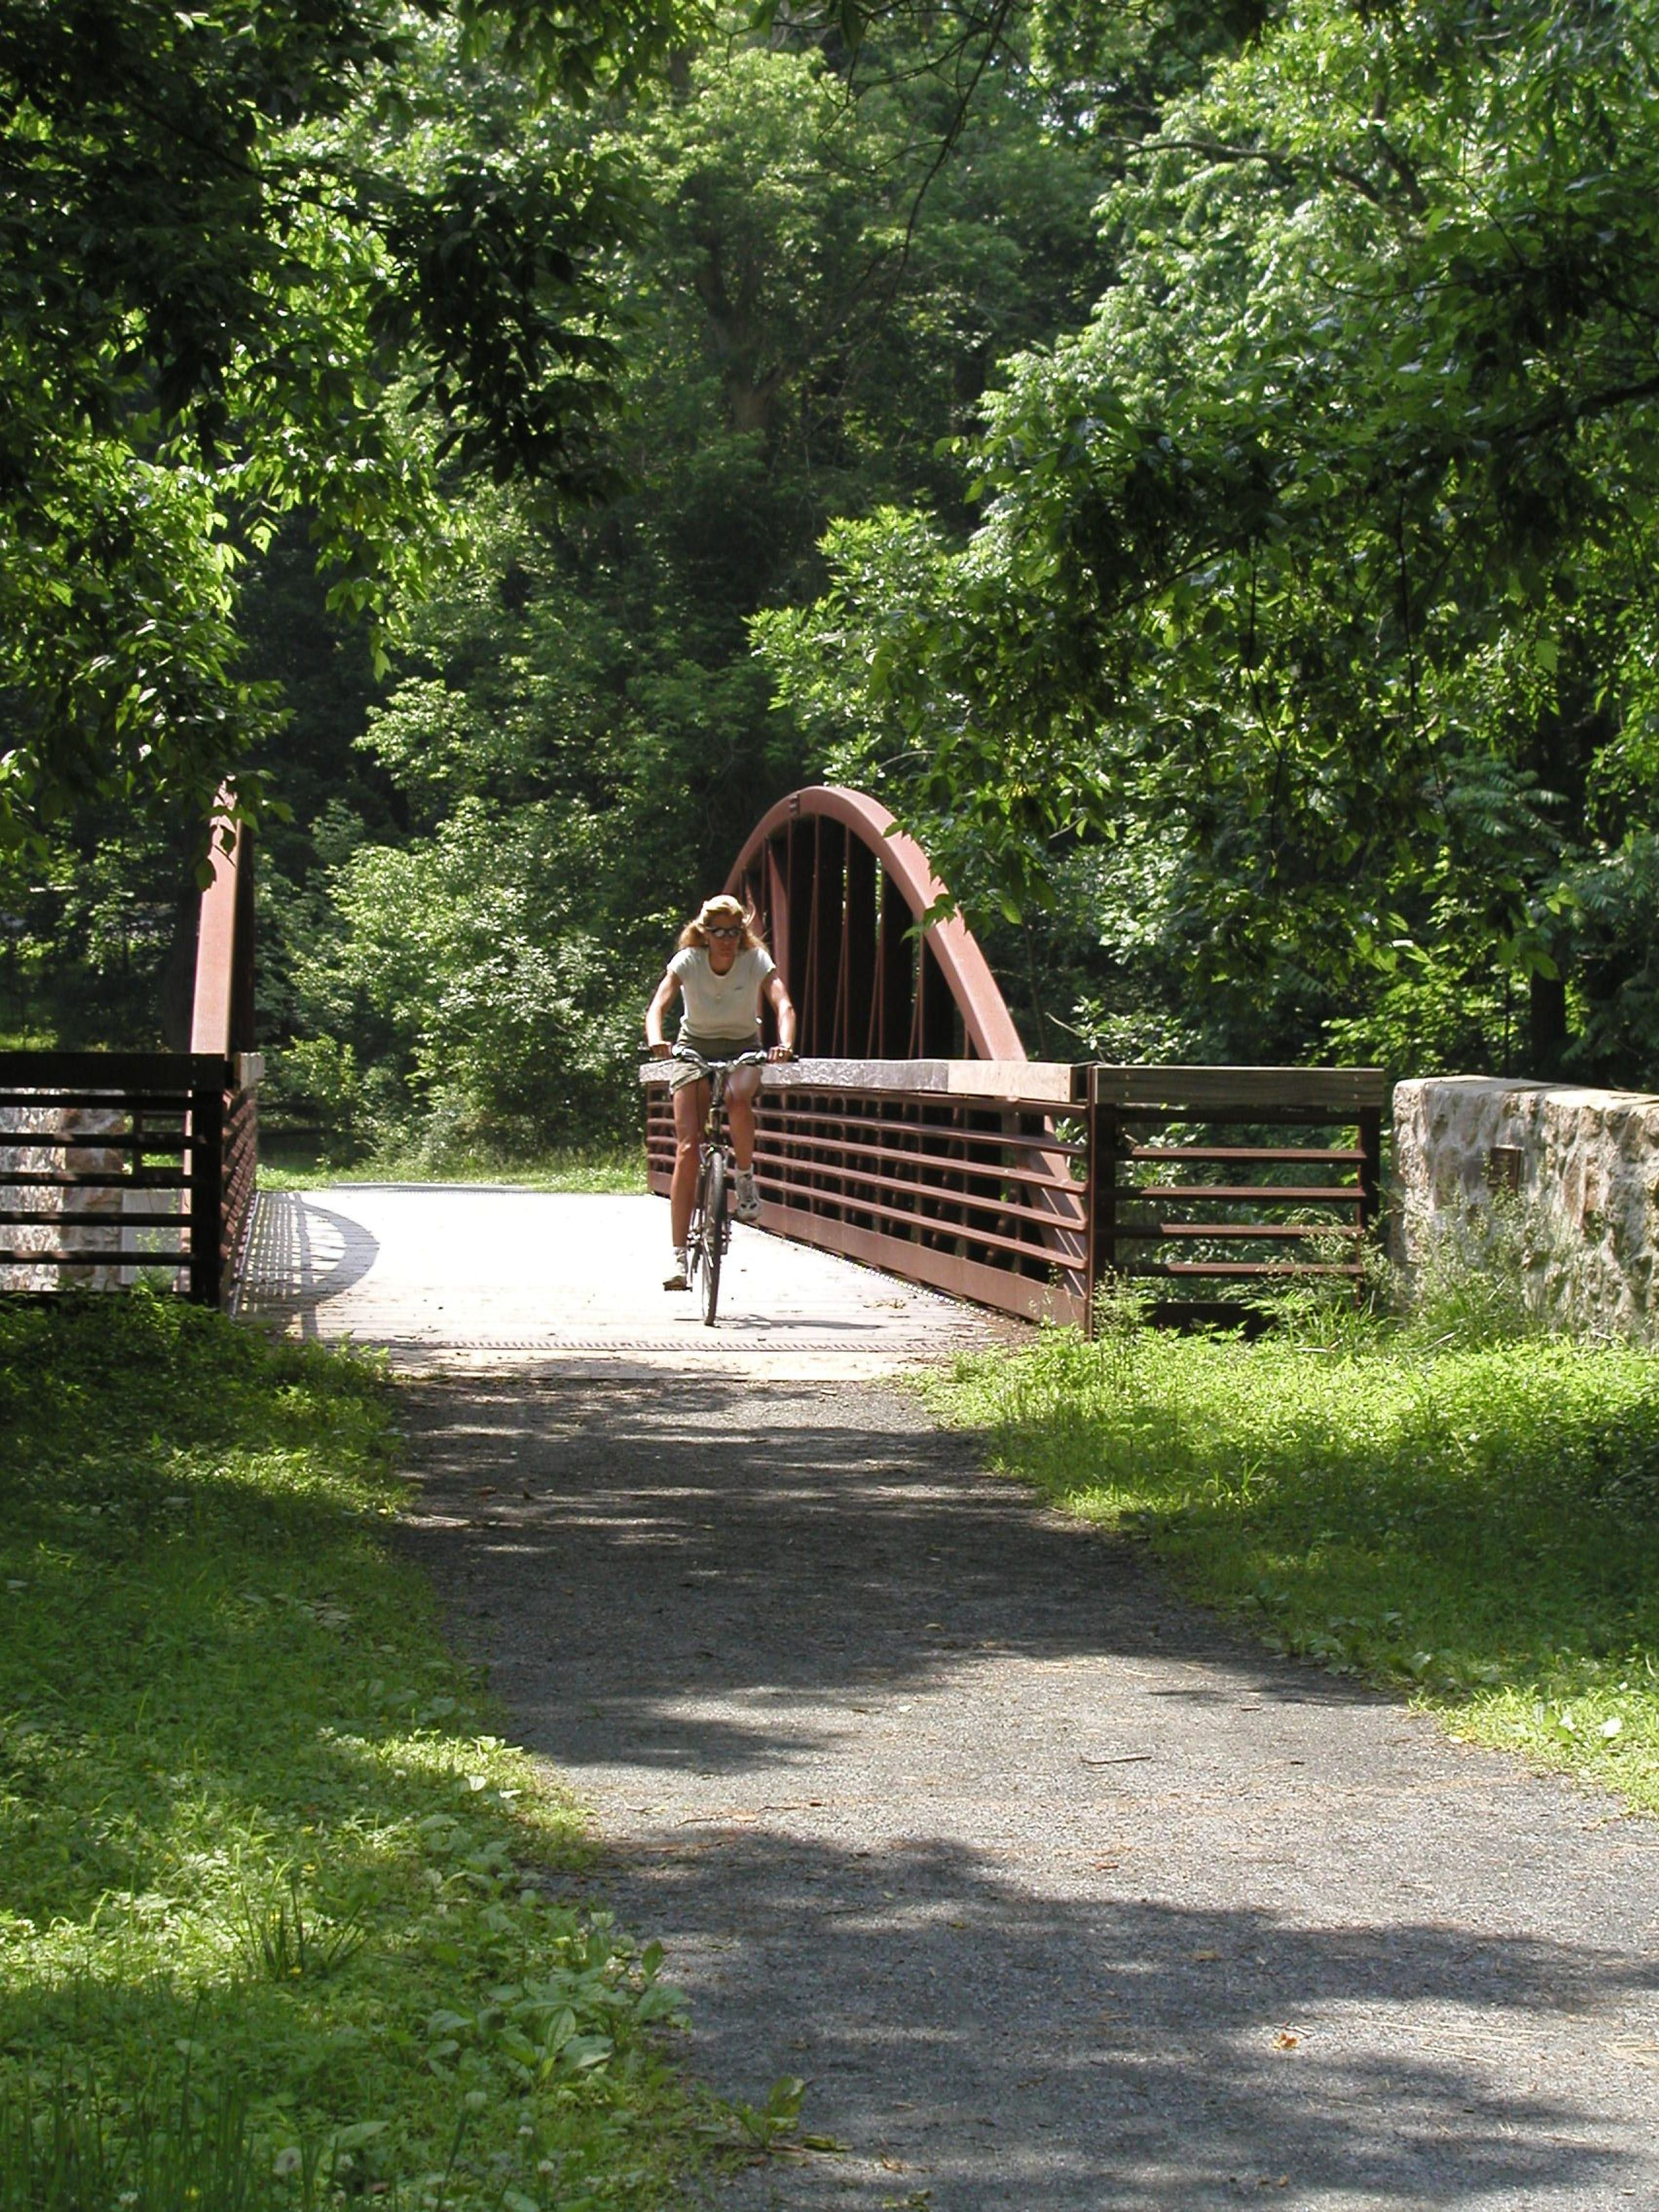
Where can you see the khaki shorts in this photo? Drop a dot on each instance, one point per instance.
(680, 1071)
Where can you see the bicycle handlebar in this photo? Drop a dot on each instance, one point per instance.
(743, 1059)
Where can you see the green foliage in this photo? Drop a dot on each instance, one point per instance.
(1476, 1521)
(60, 2154)
(1613, 891)
(229, 233)
(1324, 551)
(578, 737)
(467, 959)
(1292, 696)
(299, 1165)
(283, 1939)
(760, 2127)
(277, 1924)
(1475, 1283)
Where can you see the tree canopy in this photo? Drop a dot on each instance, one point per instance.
(1324, 554)
(1195, 462)
(251, 262)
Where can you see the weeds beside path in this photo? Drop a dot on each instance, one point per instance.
(276, 1924)
(616, 1170)
(1478, 1524)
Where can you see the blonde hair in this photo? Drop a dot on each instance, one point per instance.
(722, 907)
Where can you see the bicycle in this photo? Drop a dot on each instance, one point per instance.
(710, 1233)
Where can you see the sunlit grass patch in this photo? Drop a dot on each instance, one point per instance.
(616, 1171)
(1478, 1524)
(270, 1887)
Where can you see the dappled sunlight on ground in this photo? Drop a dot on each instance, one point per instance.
(1062, 1900)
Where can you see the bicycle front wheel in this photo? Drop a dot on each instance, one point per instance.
(694, 1227)
(714, 1235)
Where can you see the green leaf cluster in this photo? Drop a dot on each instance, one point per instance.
(1324, 554)
(250, 263)
(577, 736)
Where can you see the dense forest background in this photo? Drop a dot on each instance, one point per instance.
(1195, 462)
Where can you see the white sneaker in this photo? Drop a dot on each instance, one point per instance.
(749, 1204)
(676, 1280)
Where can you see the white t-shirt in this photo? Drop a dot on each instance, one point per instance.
(722, 1005)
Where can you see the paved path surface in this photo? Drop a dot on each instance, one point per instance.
(1062, 1901)
(460, 1277)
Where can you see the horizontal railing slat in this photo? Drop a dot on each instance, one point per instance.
(95, 1179)
(149, 1140)
(1034, 1085)
(10, 1218)
(1233, 1093)
(174, 1106)
(80, 1257)
(1254, 1194)
(1241, 1268)
(1227, 1155)
(116, 1070)
(1157, 1232)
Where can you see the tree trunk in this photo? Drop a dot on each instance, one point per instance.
(1547, 1009)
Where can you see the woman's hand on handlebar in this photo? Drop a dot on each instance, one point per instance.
(660, 1049)
(780, 1052)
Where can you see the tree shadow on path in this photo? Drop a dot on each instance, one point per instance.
(1060, 1898)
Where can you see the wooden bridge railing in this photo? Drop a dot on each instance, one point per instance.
(1025, 1185)
(1230, 1179)
(115, 1163)
(955, 1173)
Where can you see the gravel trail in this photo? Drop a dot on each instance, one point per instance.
(1060, 1900)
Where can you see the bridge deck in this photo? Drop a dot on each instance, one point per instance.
(458, 1276)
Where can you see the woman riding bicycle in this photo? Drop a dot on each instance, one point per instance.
(723, 971)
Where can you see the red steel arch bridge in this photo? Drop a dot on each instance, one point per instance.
(911, 1134)
(914, 1135)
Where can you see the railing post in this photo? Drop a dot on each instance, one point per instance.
(240, 1182)
(1369, 1121)
(1101, 1195)
(207, 1182)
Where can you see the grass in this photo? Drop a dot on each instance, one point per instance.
(279, 1921)
(1473, 1521)
(605, 1171)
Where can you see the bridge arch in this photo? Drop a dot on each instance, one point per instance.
(839, 890)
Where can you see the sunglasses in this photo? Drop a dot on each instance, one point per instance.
(722, 929)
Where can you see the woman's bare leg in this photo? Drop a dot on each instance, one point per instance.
(690, 1112)
(740, 1089)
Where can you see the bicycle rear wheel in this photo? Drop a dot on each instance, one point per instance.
(714, 1234)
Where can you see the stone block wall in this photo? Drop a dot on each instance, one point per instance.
(1583, 1166)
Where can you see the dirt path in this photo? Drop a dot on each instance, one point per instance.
(1062, 1901)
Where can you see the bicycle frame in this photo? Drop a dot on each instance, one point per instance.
(710, 1230)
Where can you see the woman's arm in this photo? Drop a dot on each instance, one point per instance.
(666, 992)
(774, 992)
